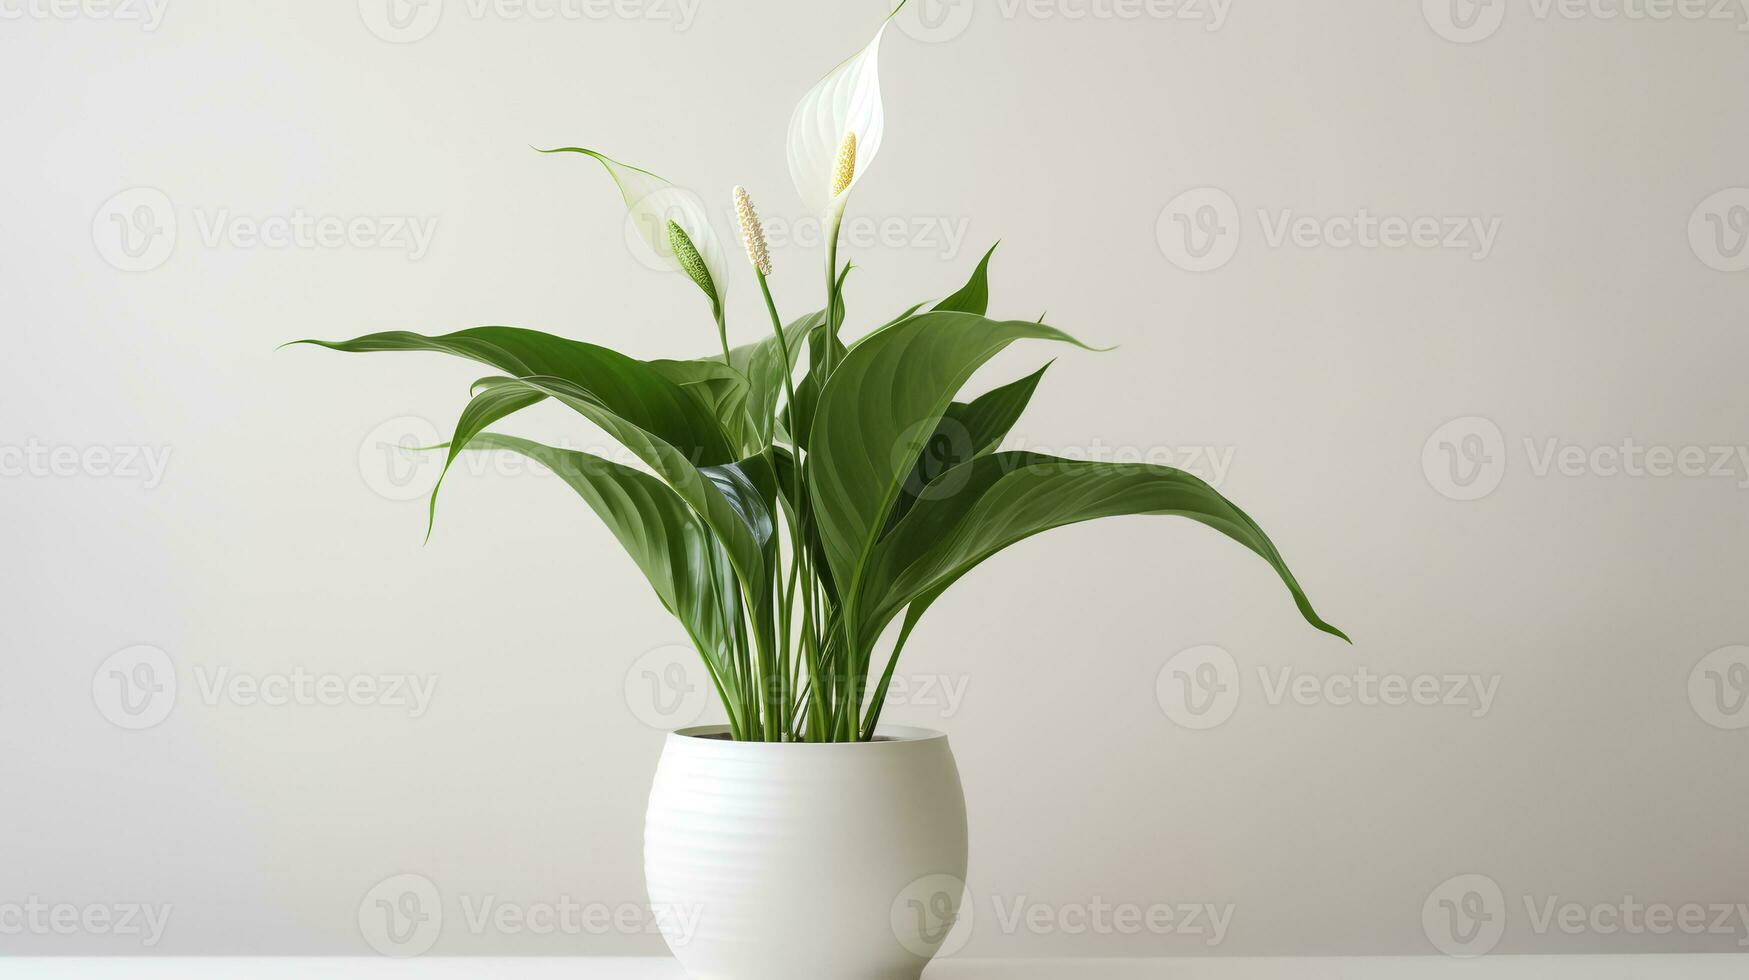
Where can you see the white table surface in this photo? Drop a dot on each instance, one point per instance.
(580, 968)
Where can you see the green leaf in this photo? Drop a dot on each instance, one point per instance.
(494, 398)
(743, 393)
(631, 389)
(991, 502)
(766, 368)
(974, 296)
(750, 488)
(703, 494)
(864, 444)
(670, 545)
(966, 430)
(721, 389)
(800, 420)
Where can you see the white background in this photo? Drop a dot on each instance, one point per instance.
(281, 536)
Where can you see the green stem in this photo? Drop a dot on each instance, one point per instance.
(722, 334)
(880, 695)
(834, 218)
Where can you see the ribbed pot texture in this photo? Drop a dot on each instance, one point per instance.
(834, 861)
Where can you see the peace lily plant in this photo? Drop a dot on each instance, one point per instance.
(786, 522)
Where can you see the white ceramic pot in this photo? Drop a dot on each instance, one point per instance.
(772, 861)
